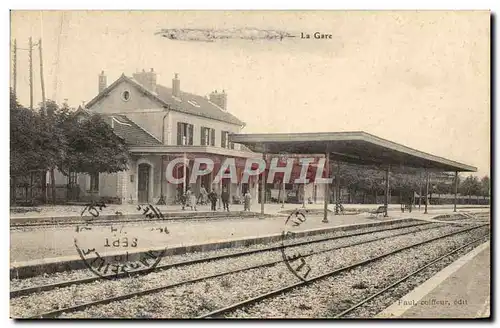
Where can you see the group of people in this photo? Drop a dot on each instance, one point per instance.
(190, 200)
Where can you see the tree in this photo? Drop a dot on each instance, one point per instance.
(53, 118)
(485, 186)
(92, 146)
(470, 186)
(32, 144)
(57, 137)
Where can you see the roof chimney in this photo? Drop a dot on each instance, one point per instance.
(176, 86)
(103, 84)
(147, 79)
(220, 99)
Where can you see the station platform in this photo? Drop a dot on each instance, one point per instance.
(52, 242)
(460, 290)
(62, 211)
(58, 241)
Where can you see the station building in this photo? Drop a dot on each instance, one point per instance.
(159, 124)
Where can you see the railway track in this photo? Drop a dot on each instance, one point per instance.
(405, 278)
(248, 302)
(84, 306)
(37, 289)
(111, 221)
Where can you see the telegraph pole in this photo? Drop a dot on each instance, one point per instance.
(41, 74)
(14, 67)
(31, 71)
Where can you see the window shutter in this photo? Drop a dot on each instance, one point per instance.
(190, 134)
(202, 136)
(212, 137)
(223, 139)
(179, 133)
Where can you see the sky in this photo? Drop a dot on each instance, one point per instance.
(419, 78)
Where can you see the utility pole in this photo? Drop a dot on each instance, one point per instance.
(31, 71)
(41, 75)
(14, 67)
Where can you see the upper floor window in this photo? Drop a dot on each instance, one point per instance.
(184, 134)
(207, 136)
(225, 140)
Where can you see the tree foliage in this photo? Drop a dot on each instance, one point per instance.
(470, 186)
(92, 146)
(33, 145)
(485, 186)
(60, 137)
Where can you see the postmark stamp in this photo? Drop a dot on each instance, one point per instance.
(114, 251)
(295, 261)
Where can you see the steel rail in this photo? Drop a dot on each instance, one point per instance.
(37, 289)
(364, 301)
(114, 221)
(279, 291)
(80, 307)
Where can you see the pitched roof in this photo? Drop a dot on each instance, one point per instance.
(133, 134)
(187, 102)
(196, 105)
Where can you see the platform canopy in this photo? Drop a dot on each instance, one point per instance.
(350, 147)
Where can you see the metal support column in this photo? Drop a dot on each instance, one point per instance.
(327, 188)
(161, 201)
(456, 190)
(386, 202)
(420, 192)
(283, 193)
(426, 191)
(336, 197)
(263, 186)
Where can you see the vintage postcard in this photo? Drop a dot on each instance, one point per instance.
(250, 164)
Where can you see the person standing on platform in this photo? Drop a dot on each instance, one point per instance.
(191, 198)
(202, 199)
(247, 198)
(212, 196)
(225, 199)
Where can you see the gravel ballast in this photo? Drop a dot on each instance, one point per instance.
(327, 297)
(85, 273)
(202, 297)
(380, 302)
(74, 295)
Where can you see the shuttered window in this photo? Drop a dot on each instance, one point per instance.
(212, 138)
(206, 136)
(224, 139)
(184, 130)
(180, 134)
(190, 134)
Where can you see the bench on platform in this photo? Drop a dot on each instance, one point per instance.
(379, 210)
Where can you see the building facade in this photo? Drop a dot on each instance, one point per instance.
(160, 124)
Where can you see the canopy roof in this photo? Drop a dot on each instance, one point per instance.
(351, 147)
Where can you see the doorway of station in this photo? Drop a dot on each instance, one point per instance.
(143, 183)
